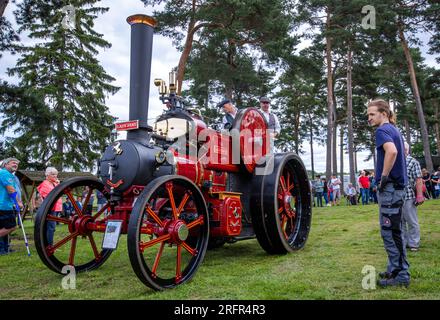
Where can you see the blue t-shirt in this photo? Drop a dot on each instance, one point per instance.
(389, 133)
(6, 179)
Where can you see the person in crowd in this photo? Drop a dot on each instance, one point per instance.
(435, 181)
(44, 189)
(89, 205)
(271, 118)
(413, 198)
(427, 182)
(10, 204)
(68, 209)
(312, 191)
(351, 194)
(230, 112)
(330, 191)
(391, 179)
(373, 188)
(336, 186)
(364, 186)
(325, 191)
(79, 202)
(101, 200)
(319, 190)
(6, 239)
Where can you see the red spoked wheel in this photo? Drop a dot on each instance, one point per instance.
(288, 201)
(282, 198)
(168, 232)
(78, 229)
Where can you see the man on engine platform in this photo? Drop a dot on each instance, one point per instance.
(230, 112)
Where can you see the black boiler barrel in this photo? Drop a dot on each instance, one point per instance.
(142, 28)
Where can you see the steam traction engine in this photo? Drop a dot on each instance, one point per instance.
(177, 188)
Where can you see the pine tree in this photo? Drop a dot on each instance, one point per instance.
(409, 15)
(232, 25)
(7, 34)
(72, 123)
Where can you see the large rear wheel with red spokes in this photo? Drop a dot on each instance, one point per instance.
(168, 232)
(282, 198)
(73, 236)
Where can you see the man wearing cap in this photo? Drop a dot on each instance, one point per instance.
(9, 202)
(271, 118)
(230, 113)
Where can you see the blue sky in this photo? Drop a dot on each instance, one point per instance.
(116, 62)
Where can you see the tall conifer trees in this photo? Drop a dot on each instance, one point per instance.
(59, 114)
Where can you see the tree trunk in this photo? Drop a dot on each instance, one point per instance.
(3, 4)
(296, 133)
(184, 56)
(355, 162)
(437, 127)
(407, 131)
(311, 147)
(341, 157)
(350, 118)
(59, 111)
(335, 149)
(335, 140)
(419, 107)
(328, 171)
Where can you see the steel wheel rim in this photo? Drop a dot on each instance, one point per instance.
(71, 232)
(288, 204)
(170, 260)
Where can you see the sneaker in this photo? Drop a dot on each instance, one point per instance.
(413, 249)
(392, 283)
(385, 275)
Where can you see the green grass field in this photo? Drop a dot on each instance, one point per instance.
(342, 241)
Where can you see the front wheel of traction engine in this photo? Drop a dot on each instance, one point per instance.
(72, 238)
(282, 198)
(168, 232)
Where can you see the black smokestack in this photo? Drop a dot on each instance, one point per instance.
(142, 28)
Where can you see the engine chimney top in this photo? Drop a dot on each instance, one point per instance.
(141, 18)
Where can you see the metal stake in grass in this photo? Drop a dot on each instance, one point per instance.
(17, 208)
(24, 234)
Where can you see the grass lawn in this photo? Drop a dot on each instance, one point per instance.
(342, 241)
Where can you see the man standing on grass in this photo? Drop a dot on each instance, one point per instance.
(413, 197)
(8, 202)
(391, 179)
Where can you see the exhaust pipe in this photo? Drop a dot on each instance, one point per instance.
(142, 29)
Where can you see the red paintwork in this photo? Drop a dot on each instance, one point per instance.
(285, 197)
(123, 210)
(228, 213)
(210, 172)
(253, 133)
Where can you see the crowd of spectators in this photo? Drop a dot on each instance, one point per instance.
(365, 190)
